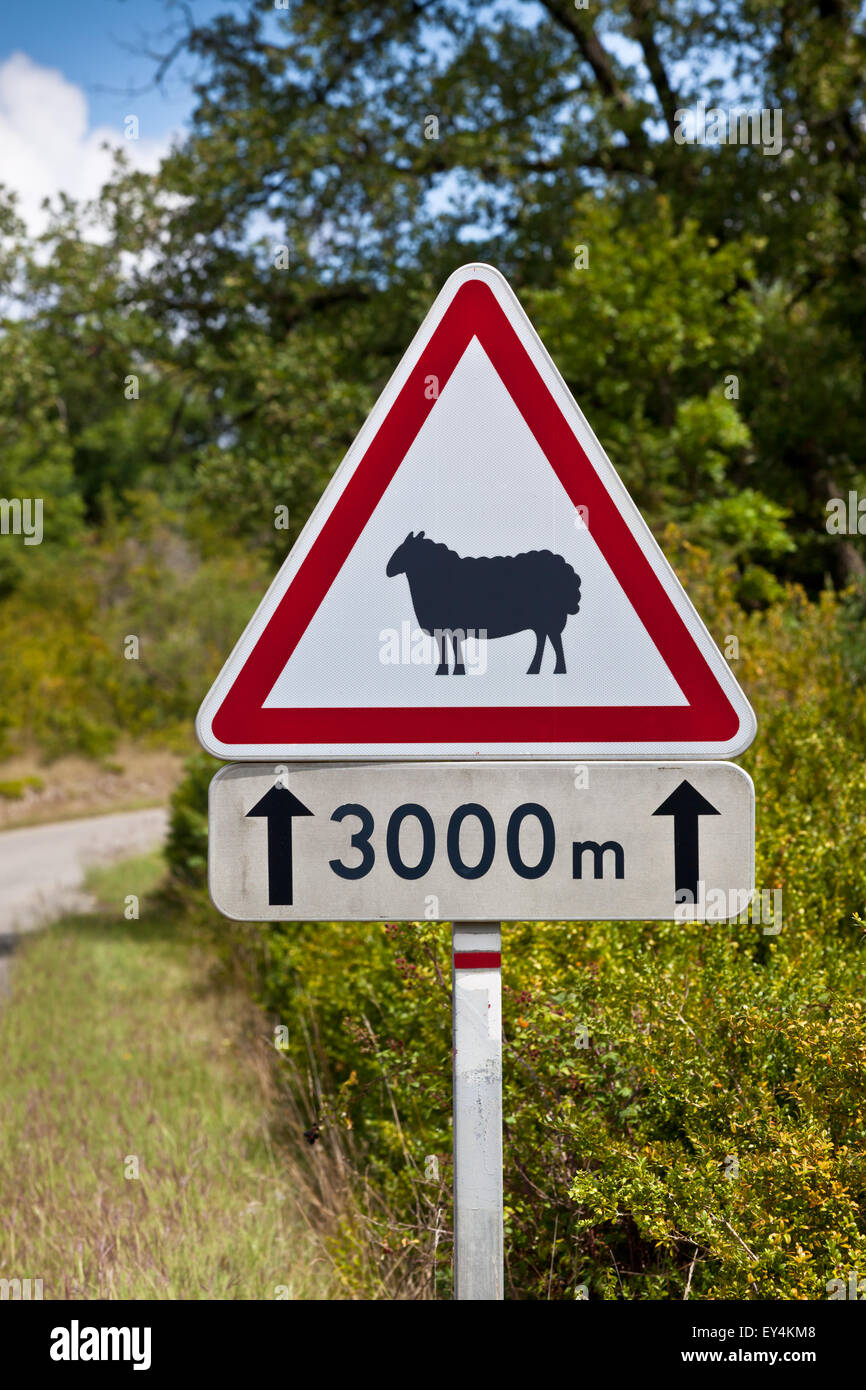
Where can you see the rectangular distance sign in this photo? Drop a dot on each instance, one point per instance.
(541, 841)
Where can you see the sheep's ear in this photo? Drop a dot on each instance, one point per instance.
(410, 537)
(420, 536)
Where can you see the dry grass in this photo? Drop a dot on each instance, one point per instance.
(34, 793)
(122, 1040)
(374, 1255)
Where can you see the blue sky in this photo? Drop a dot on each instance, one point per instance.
(71, 73)
(89, 41)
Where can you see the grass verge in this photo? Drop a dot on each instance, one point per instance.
(127, 1050)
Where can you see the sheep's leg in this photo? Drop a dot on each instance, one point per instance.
(442, 640)
(457, 640)
(556, 643)
(535, 663)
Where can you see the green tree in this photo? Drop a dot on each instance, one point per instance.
(381, 145)
(223, 335)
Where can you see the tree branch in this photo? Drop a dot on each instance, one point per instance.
(591, 50)
(642, 28)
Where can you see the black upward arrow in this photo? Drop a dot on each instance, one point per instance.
(279, 806)
(685, 804)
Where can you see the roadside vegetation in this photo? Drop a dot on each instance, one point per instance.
(685, 1105)
(183, 364)
(143, 1148)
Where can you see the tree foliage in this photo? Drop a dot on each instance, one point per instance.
(264, 282)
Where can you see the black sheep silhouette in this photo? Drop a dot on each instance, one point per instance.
(494, 595)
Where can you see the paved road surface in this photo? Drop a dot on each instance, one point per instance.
(42, 867)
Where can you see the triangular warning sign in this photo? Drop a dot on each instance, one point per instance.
(476, 582)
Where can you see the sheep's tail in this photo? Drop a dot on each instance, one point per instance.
(570, 585)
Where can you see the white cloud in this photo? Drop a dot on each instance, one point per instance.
(46, 144)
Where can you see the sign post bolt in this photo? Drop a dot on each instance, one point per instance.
(477, 1051)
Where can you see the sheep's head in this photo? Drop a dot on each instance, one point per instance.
(399, 560)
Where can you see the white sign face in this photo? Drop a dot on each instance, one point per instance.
(481, 841)
(476, 582)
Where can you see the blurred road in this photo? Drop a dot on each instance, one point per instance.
(42, 867)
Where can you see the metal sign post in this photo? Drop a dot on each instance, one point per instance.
(477, 1047)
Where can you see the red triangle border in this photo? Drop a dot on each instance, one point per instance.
(709, 716)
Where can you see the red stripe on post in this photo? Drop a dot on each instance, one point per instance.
(477, 960)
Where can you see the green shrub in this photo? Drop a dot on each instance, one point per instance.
(186, 846)
(66, 684)
(14, 788)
